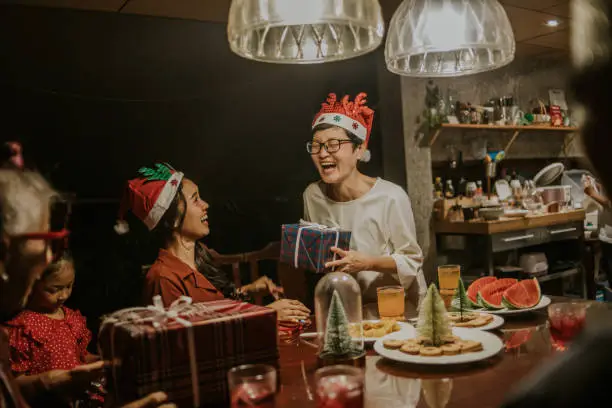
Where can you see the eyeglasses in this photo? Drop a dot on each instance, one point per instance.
(56, 241)
(331, 146)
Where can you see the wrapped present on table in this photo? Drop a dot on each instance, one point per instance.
(185, 350)
(308, 245)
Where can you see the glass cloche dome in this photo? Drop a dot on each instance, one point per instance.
(338, 311)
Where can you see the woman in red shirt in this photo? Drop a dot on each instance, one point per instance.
(170, 206)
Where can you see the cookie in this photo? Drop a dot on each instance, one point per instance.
(422, 340)
(481, 321)
(457, 317)
(393, 344)
(430, 351)
(487, 317)
(449, 339)
(410, 348)
(469, 346)
(450, 349)
(469, 323)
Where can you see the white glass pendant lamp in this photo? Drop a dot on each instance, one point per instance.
(304, 31)
(445, 38)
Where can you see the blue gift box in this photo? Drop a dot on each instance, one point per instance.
(308, 246)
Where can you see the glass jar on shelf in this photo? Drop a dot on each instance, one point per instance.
(338, 311)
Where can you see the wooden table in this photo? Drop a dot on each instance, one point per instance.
(390, 385)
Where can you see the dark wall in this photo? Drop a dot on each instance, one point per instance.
(93, 96)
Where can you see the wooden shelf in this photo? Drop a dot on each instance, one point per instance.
(481, 227)
(498, 127)
(515, 129)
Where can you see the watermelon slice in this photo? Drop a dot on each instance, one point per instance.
(522, 295)
(490, 296)
(478, 284)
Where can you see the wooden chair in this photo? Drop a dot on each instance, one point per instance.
(292, 280)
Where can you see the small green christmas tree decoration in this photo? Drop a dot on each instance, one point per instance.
(433, 324)
(461, 302)
(338, 341)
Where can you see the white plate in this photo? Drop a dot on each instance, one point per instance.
(403, 327)
(545, 301)
(491, 345)
(497, 322)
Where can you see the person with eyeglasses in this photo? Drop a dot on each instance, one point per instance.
(384, 249)
(27, 247)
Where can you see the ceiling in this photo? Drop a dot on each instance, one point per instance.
(533, 37)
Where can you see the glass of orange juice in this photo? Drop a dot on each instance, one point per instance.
(448, 281)
(391, 302)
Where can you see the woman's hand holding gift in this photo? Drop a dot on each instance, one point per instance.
(350, 261)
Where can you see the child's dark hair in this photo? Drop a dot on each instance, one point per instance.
(324, 126)
(54, 267)
(172, 219)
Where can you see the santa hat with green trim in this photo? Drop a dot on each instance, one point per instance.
(149, 196)
(354, 117)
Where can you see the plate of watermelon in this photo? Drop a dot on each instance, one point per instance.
(506, 296)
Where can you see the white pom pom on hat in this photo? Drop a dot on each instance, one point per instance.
(122, 227)
(366, 156)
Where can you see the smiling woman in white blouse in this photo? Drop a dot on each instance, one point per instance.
(384, 250)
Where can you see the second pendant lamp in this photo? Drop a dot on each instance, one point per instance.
(445, 38)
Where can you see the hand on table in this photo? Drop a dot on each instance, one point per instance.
(350, 261)
(264, 284)
(290, 310)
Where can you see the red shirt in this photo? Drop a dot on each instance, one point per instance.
(172, 278)
(39, 343)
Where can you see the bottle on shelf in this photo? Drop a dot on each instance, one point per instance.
(479, 191)
(462, 187)
(450, 190)
(438, 189)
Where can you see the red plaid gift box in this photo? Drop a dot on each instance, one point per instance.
(308, 245)
(185, 350)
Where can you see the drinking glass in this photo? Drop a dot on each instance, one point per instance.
(252, 385)
(448, 281)
(566, 321)
(391, 302)
(339, 386)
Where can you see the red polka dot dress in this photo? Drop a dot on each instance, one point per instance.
(39, 343)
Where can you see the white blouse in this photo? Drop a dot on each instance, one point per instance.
(381, 223)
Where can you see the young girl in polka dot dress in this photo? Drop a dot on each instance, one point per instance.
(49, 336)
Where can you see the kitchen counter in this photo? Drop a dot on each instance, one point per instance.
(487, 238)
(481, 227)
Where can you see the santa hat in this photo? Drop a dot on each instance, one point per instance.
(354, 117)
(149, 196)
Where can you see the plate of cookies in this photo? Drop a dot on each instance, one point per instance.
(376, 329)
(463, 346)
(475, 320)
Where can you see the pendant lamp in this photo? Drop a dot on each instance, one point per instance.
(304, 31)
(446, 38)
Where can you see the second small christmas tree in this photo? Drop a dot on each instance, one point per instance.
(461, 302)
(433, 324)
